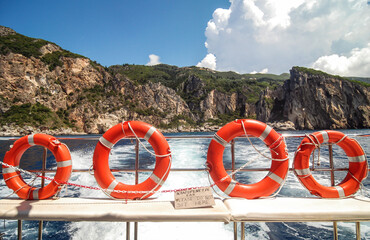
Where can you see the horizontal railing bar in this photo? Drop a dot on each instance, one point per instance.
(192, 170)
(180, 137)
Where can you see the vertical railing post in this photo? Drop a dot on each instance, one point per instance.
(331, 160)
(136, 225)
(335, 230)
(235, 231)
(232, 143)
(44, 158)
(332, 179)
(358, 231)
(136, 182)
(19, 229)
(137, 162)
(242, 231)
(127, 230)
(233, 156)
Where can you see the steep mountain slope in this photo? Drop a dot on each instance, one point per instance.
(46, 88)
(312, 99)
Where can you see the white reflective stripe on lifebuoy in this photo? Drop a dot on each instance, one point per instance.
(30, 140)
(280, 160)
(64, 163)
(35, 193)
(105, 142)
(149, 133)
(357, 159)
(156, 179)
(220, 140)
(112, 185)
(340, 191)
(325, 136)
(10, 170)
(265, 133)
(302, 172)
(230, 188)
(275, 177)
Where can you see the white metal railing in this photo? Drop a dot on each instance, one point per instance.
(137, 170)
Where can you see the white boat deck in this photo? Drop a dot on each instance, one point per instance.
(299, 209)
(228, 210)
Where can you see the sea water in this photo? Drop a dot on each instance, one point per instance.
(186, 153)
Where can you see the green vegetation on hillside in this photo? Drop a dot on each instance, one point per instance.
(53, 59)
(30, 47)
(361, 81)
(192, 84)
(17, 43)
(36, 115)
(317, 72)
(173, 77)
(141, 74)
(226, 82)
(248, 85)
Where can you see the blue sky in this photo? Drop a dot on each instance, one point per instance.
(117, 32)
(245, 36)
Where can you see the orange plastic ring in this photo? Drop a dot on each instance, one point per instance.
(279, 166)
(358, 167)
(13, 178)
(103, 174)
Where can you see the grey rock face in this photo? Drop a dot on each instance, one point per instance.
(316, 101)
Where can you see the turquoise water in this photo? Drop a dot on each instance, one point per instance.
(187, 153)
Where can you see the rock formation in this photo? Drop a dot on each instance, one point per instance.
(92, 99)
(315, 100)
(61, 92)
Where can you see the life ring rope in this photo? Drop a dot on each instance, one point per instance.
(318, 145)
(314, 140)
(358, 166)
(275, 142)
(154, 177)
(220, 140)
(146, 137)
(162, 153)
(35, 193)
(12, 172)
(272, 146)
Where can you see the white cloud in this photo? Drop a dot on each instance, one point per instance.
(208, 62)
(153, 60)
(255, 34)
(357, 64)
(265, 70)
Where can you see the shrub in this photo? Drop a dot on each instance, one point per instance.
(17, 43)
(53, 59)
(27, 114)
(36, 115)
(324, 74)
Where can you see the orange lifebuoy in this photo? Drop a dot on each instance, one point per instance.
(358, 167)
(104, 176)
(279, 166)
(13, 178)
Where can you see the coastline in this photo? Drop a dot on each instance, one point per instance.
(14, 130)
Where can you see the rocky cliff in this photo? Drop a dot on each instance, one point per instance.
(83, 95)
(315, 100)
(44, 88)
(207, 104)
